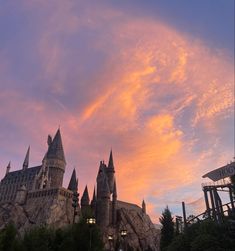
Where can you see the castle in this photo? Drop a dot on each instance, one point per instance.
(35, 196)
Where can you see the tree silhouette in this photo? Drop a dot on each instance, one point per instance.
(167, 230)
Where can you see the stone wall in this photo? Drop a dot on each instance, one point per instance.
(46, 207)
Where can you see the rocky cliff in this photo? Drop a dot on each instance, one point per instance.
(141, 232)
(54, 210)
(57, 212)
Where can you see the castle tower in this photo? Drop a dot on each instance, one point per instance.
(103, 204)
(110, 172)
(114, 204)
(55, 160)
(85, 201)
(8, 168)
(26, 160)
(73, 184)
(143, 207)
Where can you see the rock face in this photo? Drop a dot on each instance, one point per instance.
(49, 207)
(141, 232)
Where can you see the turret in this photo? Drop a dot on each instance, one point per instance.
(73, 184)
(85, 201)
(103, 204)
(114, 204)
(8, 168)
(55, 160)
(26, 160)
(110, 172)
(143, 207)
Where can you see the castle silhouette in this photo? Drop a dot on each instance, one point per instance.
(34, 185)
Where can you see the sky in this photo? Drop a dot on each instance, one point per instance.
(153, 80)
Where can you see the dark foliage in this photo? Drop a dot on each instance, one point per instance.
(204, 236)
(167, 230)
(77, 237)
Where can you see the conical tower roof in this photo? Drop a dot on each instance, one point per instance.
(85, 200)
(26, 160)
(111, 165)
(55, 150)
(73, 185)
(94, 196)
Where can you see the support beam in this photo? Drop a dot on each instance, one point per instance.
(184, 215)
(231, 197)
(217, 205)
(207, 202)
(212, 204)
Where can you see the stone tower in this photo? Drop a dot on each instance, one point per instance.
(54, 160)
(114, 204)
(103, 205)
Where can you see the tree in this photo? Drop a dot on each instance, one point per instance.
(8, 238)
(167, 230)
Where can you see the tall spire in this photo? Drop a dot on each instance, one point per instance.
(85, 200)
(26, 160)
(55, 150)
(73, 184)
(8, 168)
(110, 165)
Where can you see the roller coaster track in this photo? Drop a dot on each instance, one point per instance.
(217, 211)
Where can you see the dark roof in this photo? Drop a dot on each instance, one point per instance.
(56, 150)
(85, 197)
(73, 185)
(29, 171)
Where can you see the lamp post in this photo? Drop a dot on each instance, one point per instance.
(110, 239)
(90, 222)
(123, 234)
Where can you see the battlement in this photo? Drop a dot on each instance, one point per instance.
(51, 192)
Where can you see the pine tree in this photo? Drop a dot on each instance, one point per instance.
(167, 230)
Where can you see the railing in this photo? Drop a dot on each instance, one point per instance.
(208, 213)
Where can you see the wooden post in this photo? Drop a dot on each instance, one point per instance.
(212, 204)
(207, 202)
(231, 197)
(184, 215)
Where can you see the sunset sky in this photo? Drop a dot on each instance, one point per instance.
(151, 79)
